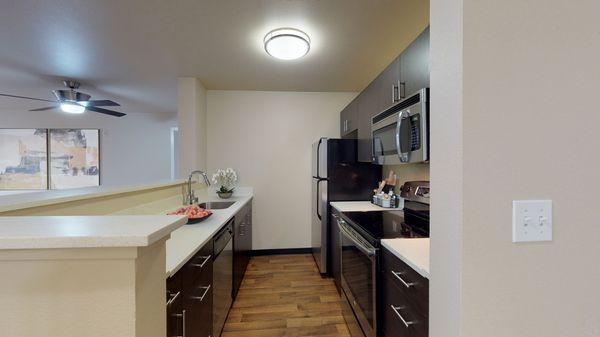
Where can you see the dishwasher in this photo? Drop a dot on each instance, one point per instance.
(222, 277)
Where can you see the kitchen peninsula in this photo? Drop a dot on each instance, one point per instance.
(95, 262)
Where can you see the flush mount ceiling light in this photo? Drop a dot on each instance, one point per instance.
(287, 43)
(72, 107)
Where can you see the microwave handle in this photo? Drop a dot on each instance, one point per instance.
(401, 155)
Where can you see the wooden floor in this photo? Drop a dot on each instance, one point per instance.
(284, 295)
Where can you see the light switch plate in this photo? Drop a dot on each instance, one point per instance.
(532, 220)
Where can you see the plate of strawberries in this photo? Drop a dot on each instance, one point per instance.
(194, 213)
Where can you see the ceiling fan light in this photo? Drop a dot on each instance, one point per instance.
(287, 43)
(72, 108)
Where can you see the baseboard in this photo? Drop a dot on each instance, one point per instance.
(283, 251)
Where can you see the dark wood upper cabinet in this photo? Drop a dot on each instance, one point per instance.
(405, 75)
(388, 86)
(414, 65)
(349, 119)
(368, 105)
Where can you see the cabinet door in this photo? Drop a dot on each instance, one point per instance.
(388, 86)
(242, 245)
(238, 250)
(196, 283)
(367, 108)
(199, 306)
(247, 236)
(348, 119)
(174, 306)
(414, 65)
(405, 295)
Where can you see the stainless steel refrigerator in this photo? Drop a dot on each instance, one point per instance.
(336, 176)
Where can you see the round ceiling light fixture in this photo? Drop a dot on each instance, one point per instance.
(72, 107)
(287, 43)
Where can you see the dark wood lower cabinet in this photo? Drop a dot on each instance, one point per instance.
(190, 290)
(174, 306)
(242, 245)
(404, 309)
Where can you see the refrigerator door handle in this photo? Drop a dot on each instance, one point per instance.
(318, 198)
(318, 171)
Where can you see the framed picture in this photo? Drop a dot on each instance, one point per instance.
(23, 159)
(74, 158)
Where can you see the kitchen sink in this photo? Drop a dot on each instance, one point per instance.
(216, 204)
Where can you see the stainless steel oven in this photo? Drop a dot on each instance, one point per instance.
(401, 133)
(359, 282)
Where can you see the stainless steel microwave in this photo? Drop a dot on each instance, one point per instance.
(400, 134)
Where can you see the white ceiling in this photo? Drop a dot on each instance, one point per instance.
(132, 51)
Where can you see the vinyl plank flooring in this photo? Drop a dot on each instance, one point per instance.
(285, 296)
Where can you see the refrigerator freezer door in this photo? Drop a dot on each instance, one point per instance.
(319, 228)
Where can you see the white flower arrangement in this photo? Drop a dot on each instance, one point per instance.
(225, 179)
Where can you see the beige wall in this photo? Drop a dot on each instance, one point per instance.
(97, 292)
(191, 115)
(267, 137)
(136, 202)
(446, 169)
(522, 126)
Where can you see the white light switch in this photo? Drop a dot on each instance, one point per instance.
(532, 220)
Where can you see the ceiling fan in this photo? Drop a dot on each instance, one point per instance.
(73, 101)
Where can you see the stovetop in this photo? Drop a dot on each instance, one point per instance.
(412, 222)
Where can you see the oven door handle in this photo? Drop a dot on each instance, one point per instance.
(369, 251)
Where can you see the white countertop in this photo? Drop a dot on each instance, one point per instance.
(187, 240)
(358, 206)
(125, 228)
(48, 197)
(414, 252)
(41, 232)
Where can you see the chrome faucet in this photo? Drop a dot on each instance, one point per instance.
(191, 198)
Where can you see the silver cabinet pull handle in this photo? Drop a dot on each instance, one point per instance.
(402, 93)
(183, 323)
(173, 298)
(406, 284)
(182, 315)
(201, 265)
(201, 298)
(395, 309)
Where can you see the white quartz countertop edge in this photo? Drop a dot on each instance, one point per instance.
(414, 252)
(358, 206)
(188, 240)
(111, 231)
(49, 197)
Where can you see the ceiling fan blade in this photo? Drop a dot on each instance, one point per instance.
(105, 111)
(24, 97)
(45, 108)
(101, 102)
